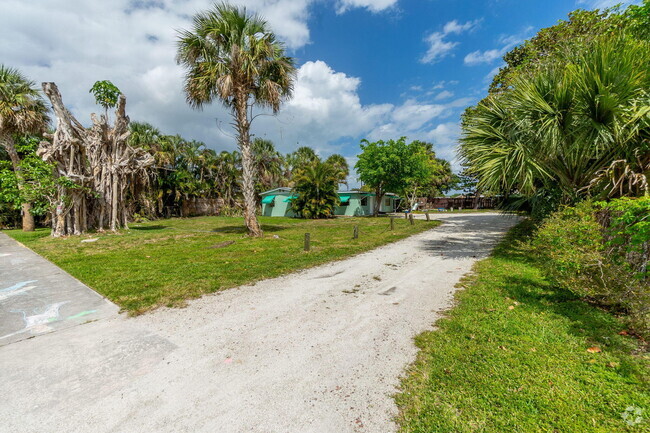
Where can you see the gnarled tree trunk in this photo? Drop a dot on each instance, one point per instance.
(99, 166)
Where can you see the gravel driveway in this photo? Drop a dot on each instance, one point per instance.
(317, 351)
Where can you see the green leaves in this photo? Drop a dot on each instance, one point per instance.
(229, 54)
(106, 93)
(315, 187)
(560, 127)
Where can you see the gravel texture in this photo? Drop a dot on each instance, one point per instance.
(320, 350)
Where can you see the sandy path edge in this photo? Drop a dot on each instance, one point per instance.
(320, 350)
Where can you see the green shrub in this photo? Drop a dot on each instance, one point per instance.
(599, 252)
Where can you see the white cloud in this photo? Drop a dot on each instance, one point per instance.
(445, 94)
(439, 47)
(324, 109)
(507, 43)
(371, 5)
(132, 43)
(604, 4)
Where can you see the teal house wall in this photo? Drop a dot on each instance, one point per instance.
(276, 202)
(363, 203)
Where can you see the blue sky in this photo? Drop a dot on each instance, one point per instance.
(376, 69)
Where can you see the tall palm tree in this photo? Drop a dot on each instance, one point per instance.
(22, 111)
(233, 56)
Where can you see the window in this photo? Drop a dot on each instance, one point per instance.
(387, 202)
(364, 201)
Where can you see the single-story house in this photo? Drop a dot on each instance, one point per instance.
(277, 202)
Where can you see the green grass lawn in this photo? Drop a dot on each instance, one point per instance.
(512, 356)
(166, 262)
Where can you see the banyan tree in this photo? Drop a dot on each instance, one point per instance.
(98, 173)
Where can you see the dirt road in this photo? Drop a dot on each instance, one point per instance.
(317, 351)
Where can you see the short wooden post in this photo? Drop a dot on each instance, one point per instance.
(392, 223)
(307, 242)
(411, 219)
(427, 215)
(355, 235)
(406, 215)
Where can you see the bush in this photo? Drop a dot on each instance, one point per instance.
(599, 252)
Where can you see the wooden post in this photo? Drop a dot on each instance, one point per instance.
(392, 223)
(355, 235)
(427, 215)
(406, 215)
(411, 219)
(307, 242)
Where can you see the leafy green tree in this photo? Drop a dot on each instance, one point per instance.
(440, 178)
(106, 94)
(393, 165)
(315, 187)
(639, 16)
(581, 29)
(232, 56)
(569, 129)
(22, 111)
(34, 185)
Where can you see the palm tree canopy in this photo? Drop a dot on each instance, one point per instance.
(557, 129)
(341, 166)
(22, 109)
(315, 187)
(232, 54)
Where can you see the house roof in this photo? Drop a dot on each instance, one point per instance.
(276, 190)
(287, 190)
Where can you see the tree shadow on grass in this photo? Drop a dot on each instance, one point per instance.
(586, 321)
(148, 228)
(239, 229)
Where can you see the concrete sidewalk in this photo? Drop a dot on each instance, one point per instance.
(37, 297)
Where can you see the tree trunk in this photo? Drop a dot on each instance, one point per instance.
(28, 218)
(248, 170)
(26, 208)
(100, 161)
(379, 195)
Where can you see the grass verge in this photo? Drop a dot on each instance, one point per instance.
(519, 355)
(166, 262)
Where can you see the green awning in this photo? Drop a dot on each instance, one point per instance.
(344, 198)
(291, 197)
(268, 199)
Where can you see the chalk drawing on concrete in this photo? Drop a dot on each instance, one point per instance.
(16, 289)
(83, 313)
(38, 323)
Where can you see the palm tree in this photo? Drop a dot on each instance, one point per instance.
(315, 187)
(227, 173)
(233, 56)
(341, 166)
(22, 111)
(268, 165)
(563, 130)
